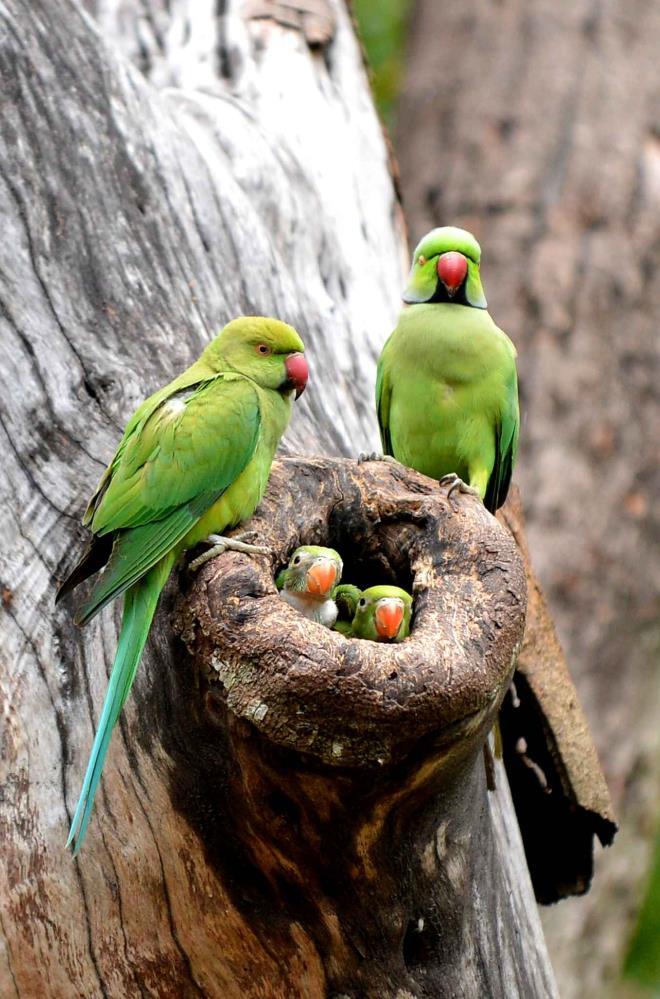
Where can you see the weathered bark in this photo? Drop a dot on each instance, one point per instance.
(346, 777)
(536, 126)
(354, 703)
(135, 222)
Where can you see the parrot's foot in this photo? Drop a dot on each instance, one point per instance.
(456, 484)
(375, 456)
(221, 544)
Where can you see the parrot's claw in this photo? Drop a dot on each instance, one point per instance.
(456, 484)
(375, 456)
(221, 544)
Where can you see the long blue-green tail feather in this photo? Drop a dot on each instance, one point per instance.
(140, 603)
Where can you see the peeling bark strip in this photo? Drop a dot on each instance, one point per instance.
(136, 221)
(560, 794)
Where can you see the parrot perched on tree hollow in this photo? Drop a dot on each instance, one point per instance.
(194, 460)
(446, 389)
(380, 613)
(308, 581)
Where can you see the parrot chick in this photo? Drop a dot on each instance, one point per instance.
(382, 614)
(346, 598)
(308, 582)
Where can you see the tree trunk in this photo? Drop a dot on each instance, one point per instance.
(137, 220)
(347, 780)
(536, 126)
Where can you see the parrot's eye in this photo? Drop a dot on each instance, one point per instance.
(296, 560)
(421, 260)
(264, 349)
(362, 602)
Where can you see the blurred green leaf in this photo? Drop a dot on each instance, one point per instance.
(643, 960)
(383, 27)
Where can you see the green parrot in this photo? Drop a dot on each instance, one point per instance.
(308, 581)
(446, 388)
(194, 461)
(346, 597)
(380, 613)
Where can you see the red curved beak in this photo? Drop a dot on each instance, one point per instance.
(321, 577)
(297, 373)
(452, 268)
(388, 617)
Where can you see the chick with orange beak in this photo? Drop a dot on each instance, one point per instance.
(382, 614)
(309, 580)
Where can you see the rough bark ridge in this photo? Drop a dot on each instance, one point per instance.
(135, 222)
(536, 126)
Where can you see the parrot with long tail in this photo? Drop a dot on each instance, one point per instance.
(193, 462)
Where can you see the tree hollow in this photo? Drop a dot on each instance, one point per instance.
(350, 702)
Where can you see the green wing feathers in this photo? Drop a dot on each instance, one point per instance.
(506, 448)
(132, 429)
(446, 392)
(195, 441)
(346, 596)
(136, 550)
(169, 469)
(383, 400)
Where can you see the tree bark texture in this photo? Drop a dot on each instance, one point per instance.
(243, 170)
(391, 524)
(346, 777)
(535, 125)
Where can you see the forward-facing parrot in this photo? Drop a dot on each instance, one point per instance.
(194, 461)
(446, 389)
(380, 613)
(308, 581)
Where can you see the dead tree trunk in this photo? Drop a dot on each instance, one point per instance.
(535, 124)
(135, 222)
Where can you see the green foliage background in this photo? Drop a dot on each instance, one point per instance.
(382, 25)
(643, 961)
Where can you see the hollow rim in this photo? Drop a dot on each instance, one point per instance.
(348, 701)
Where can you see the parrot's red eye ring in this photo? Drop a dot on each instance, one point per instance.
(264, 349)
